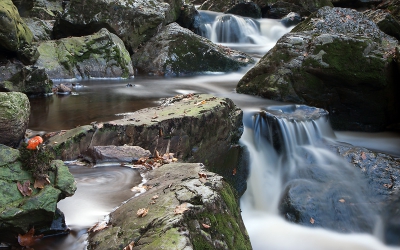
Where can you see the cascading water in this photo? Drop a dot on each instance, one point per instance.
(293, 174)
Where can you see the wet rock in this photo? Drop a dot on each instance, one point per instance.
(31, 80)
(196, 128)
(249, 9)
(279, 9)
(169, 52)
(62, 89)
(135, 22)
(8, 68)
(119, 153)
(14, 117)
(391, 221)
(102, 54)
(41, 29)
(392, 6)
(190, 18)
(337, 60)
(385, 21)
(217, 5)
(209, 218)
(18, 214)
(291, 19)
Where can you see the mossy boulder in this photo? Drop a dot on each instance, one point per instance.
(196, 128)
(178, 51)
(337, 60)
(134, 21)
(14, 117)
(41, 29)
(279, 9)
(30, 80)
(14, 34)
(102, 54)
(18, 213)
(212, 219)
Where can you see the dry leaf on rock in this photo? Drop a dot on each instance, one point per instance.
(154, 197)
(202, 175)
(205, 225)
(342, 200)
(28, 239)
(130, 246)
(181, 208)
(234, 171)
(201, 103)
(312, 220)
(98, 227)
(41, 182)
(25, 188)
(363, 156)
(142, 212)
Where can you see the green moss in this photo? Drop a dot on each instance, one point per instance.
(36, 161)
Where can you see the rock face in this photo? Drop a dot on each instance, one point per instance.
(188, 127)
(14, 117)
(249, 9)
(14, 33)
(119, 153)
(279, 9)
(337, 60)
(18, 213)
(385, 21)
(178, 51)
(30, 80)
(102, 54)
(393, 6)
(41, 29)
(135, 22)
(183, 212)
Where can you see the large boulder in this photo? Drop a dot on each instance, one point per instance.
(392, 6)
(14, 117)
(41, 29)
(135, 22)
(385, 21)
(279, 9)
(30, 80)
(178, 51)
(337, 60)
(102, 54)
(14, 34)
(19, 213)
(248, 9)
(182, 211)
(196, 128)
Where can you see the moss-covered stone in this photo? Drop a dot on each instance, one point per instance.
(102, 54)
(31, 80)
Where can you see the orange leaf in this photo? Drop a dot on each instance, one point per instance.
(203, 175)
(181, 208)
(205, 225)
(234, 171)
(25, 189)
(142, 212)
(363, 156)
(28, 239)
(34, 142)
(41, 182)
(342, 200)
(130, 246)
(312, 220)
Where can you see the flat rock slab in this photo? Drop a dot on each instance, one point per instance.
(183, 211)
(119, 153)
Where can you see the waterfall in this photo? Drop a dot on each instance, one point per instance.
(294, 175)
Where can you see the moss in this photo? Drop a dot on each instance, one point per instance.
(36, 161)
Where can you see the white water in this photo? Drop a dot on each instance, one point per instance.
(269, 172)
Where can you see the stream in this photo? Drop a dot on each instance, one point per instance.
(102, 188)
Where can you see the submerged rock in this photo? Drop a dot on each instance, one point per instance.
(337, 60)
(102, 54)
(178, 51)
(14, 117)
(196, 128)
(18, 213)
(179, 211)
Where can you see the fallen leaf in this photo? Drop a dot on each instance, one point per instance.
(388, 185)
(181, 208)
(41, 182)
(129, 246)
(25, 189)
(34, 142)
(154, 197)
(98, 227)
(203, 175)
(142, 212)
(29, 239)
(234, 171)
(200, 103)
(342, 201)
(205, 225)
(363, 156)
(157, 155)
(312, 220)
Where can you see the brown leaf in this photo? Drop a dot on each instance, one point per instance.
(205, 225)
(154, 197)
(363, 156)
(157, 155)
(25, 189)
(98, 227)
(29, 239)
(203, 175)
(181, 208)
(200, 103)
(342, 200)
(312, 220)
(234, 171)
(142, 212)
(41, 182)
(129, 246)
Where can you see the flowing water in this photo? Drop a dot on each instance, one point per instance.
(102, 188)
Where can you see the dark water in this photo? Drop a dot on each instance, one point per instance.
(101, 189)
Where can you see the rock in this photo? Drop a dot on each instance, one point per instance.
(62, 89)
(14, 117)
(31, 80)
(41, 29)
(18, 214)
(119, 153)
(217, 5)
(385, 21)
(337, 60)
(14, 33)
(291, 19)
(41, 9)
(249, 9)
(279, 9)
(392, 6)
(196, 128)
(135, 22)
(169, 52)
(391, 221)
(190, 18)
(209, 219)
(8, 68)
(102, 54)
